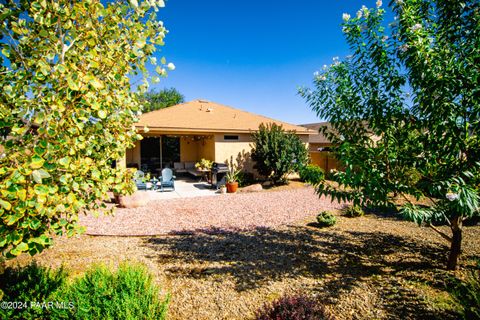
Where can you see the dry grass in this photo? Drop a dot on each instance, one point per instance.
(371, 267)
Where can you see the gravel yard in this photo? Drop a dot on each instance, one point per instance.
(229, 211)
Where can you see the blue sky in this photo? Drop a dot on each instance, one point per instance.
(253, 55)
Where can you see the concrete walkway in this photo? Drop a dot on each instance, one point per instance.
(184, 188)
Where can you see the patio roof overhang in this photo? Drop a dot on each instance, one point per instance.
(203, 131)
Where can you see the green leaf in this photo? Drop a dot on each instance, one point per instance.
(6, 52)
(73, 84)
(102, 114)
(5, 204)
(39, 151)
(36, 162)
(40, 117)
(41, 190)
(34, 224)
(64, 161)
(13, 218)
(21, 247)
(42, 239)
(63, 222)
(61, 68)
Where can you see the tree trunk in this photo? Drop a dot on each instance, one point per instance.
(456, 244)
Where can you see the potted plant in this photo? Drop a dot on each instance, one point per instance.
(223, 189)
(204, 165)
(232, 179)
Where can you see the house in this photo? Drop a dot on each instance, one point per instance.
(319, 147)
(181, 135)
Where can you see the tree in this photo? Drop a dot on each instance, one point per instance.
(162, 99)
(276, 152)
(404, 109)
(67, 111)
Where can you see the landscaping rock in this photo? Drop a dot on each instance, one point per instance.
(138, 199)
(252, 188)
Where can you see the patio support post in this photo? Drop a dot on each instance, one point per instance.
(161, 155)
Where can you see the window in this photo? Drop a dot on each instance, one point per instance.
(230, 138)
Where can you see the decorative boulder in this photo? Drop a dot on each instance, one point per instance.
(138, 199)
(252, 188)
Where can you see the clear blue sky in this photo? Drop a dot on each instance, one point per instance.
(253, 55)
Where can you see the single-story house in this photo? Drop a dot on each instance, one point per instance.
(319, 147)
(181, 135)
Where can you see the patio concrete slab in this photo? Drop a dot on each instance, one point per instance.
(184, 188)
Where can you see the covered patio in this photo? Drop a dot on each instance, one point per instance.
(185, 187)
(157, 151)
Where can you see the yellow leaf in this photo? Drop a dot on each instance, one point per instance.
(5, 204)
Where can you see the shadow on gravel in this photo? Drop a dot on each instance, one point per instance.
(339, 262)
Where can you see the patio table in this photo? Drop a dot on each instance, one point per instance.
(205, 175)
(154, 181)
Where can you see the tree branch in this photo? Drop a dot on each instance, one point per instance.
(443, 235)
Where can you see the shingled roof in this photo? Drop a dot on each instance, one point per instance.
(319, 137)
(206, 116)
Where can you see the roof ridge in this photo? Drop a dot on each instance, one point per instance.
(251, 113)
(230, 114)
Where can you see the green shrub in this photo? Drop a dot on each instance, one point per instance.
(354, 211)
(312, 174)
(128, 293)
(326, 219)
(277, 152)
(32, 283)
(245, 179)
(467, 295)
(293, 308)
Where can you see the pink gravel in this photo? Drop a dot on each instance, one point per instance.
(229, 212)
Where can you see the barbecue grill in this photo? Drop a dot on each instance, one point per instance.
(219, 170)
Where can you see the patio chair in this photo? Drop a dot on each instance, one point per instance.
(167, 179)
(139, 180)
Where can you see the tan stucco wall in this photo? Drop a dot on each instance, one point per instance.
(188, 149)
(324, 160)
(206, 149)
(224, 149)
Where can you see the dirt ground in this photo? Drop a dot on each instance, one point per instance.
(372, 267)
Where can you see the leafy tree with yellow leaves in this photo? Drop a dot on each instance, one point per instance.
(67, 110)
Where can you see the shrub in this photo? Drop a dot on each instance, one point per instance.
(32, 283)
(293, 308)
(245, 179)
(312, 174)
(467, 295)
(354, 211)
(277, 152)
(128, 293)
(326, 219)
